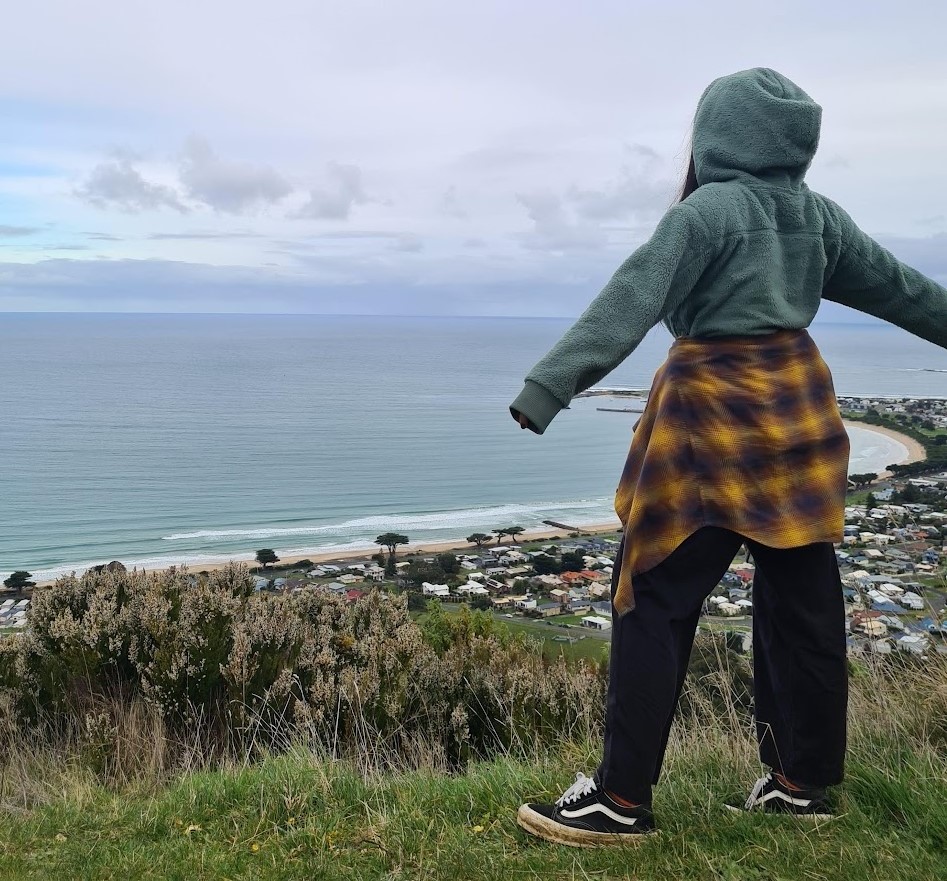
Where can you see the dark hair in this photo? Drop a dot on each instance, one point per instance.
(690, 180)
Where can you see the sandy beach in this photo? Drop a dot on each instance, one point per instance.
(915, 454)
(915, 448)
(428, 547)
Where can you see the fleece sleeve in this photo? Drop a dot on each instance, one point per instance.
(644, 289)
(871, 279)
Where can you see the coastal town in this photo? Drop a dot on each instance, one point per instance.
(891, 560)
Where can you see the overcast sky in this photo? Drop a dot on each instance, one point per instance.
(415, 157)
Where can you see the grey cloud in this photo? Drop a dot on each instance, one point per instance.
(17, 231)
(67, 248)
(226, 186)
(116, 183)
(450, 204)
(641, 189)
(553, 230)
(165, 236)
(409, 243)
(102, 237)
(335, 201)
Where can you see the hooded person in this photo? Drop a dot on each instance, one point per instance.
(741, 441)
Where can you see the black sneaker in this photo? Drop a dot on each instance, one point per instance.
(770, 796)
(586, 816)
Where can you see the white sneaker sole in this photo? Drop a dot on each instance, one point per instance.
(817, 817)
(537, 824)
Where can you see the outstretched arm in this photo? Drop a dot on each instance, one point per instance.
(869, 278)
(644, 289)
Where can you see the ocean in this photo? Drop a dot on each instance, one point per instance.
(172, 439)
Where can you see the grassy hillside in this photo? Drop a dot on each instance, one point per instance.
(154, 729)
(297, 817)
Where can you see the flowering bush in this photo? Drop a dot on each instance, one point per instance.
(253, 670)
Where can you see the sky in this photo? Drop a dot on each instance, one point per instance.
(425, 156)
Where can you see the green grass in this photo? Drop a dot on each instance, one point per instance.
(590, 647)
(296, 818)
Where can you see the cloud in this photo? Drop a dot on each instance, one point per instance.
(226, 186)
(410, 243)
(102, 237)
(116, 183)
(640, 190)
(17, 231)
(553, 229)
(174, 236)
(335, 201)
(450, 204)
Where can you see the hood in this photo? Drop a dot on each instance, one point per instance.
(758, 123)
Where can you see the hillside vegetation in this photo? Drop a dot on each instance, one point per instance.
(157, 728)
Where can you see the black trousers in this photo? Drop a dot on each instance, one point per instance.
(799, 660)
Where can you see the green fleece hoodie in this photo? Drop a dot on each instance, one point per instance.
(752, 250)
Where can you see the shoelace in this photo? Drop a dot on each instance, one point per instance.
(758, 790)
(582, 787)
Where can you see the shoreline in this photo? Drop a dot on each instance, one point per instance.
(415, 547)
(915, 450)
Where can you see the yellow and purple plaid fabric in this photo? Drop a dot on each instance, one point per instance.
(739, 432)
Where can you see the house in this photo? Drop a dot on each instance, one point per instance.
(550, 580)
(571, 578)
(591, 576)
(915, 644)
(911, 600)
(354, 594)
(873, 627)
(375, 573)
(351, 578)
(729, 609)
(559, 595)
(472, 588)
(434, 590)
(596, 622)
(525, 602)
(547, 610)
(577, 606)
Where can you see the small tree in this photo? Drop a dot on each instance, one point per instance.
(266, 557)
(500, 533)
(514, 531)
(391, 540)
(871, 502)
(572, 562)
(18, 580)
(449, 563)
(543, 564)
(479, 539)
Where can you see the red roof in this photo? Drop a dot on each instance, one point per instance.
(354, 594)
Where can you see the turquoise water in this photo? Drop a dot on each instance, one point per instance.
(159, 439)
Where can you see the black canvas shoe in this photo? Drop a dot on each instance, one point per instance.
(771, 796)
(586, 816)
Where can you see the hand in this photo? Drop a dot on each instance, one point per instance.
(523, 421)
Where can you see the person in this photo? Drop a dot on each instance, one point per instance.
(741, 442)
